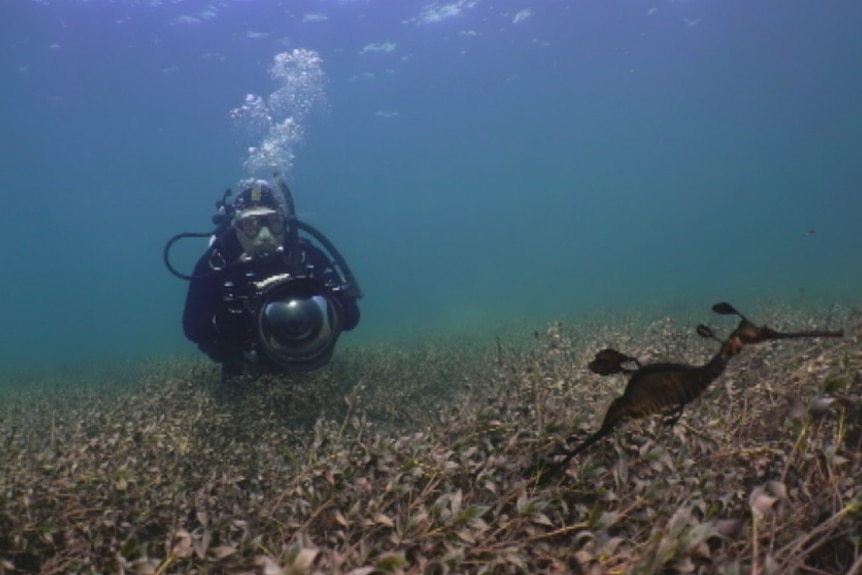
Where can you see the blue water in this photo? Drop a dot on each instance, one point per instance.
(477, 162)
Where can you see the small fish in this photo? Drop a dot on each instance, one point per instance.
(809, 233)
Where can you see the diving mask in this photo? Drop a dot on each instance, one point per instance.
(260, 231)
(252, 221)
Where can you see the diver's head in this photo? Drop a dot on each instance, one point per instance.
(259, 220)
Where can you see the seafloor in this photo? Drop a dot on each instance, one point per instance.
(428, 459)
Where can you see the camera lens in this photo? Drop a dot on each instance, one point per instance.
(298, 324)
(297, 321)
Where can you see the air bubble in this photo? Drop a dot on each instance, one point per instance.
(278, 121)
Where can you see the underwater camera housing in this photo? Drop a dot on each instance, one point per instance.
(294, 321)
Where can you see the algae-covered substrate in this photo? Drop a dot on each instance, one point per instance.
(427, 459)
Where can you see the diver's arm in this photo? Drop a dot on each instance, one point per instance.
(202, 300)
(351, 312)
(326, 273)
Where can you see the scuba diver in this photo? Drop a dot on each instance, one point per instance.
(263, 298)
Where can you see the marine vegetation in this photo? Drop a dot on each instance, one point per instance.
(416, 459)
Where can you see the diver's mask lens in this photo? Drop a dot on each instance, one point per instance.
(251, 224)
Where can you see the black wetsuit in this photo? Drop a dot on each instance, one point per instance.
(205, 300)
